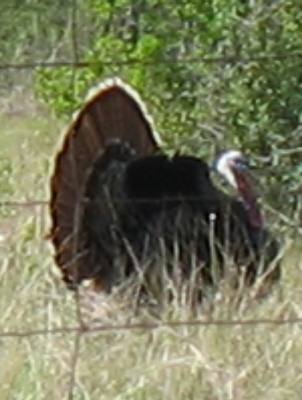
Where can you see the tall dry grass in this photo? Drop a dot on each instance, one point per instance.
(187, 362)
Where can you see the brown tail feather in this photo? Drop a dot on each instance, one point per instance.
(113, 114)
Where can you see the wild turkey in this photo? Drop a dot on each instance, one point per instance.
(116, 201)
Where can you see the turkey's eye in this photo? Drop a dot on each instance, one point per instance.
(241, 164)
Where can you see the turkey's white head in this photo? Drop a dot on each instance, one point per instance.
(233, 166)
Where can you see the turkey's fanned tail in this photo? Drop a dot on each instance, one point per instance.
(112, 127)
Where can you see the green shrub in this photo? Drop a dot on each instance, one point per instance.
(240, 96)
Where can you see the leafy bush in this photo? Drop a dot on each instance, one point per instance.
(208, 73)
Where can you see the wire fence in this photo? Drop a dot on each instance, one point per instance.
(149, 326)
(40, 203)
(81, 328)
(77, 64)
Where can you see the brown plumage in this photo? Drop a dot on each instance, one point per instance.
(112, 115)
(115, 202)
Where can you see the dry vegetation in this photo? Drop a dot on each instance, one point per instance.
(189, 362)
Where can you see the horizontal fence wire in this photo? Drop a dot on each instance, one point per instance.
(116, 200)
(119, 200)
(166, 201)
(188, 60)
(23, 204)
(148, 326)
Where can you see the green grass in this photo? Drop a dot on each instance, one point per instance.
(207, 362)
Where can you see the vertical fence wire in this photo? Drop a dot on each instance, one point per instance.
(77, 298)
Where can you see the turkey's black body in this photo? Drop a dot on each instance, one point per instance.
(156, 207)
(119, 208)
